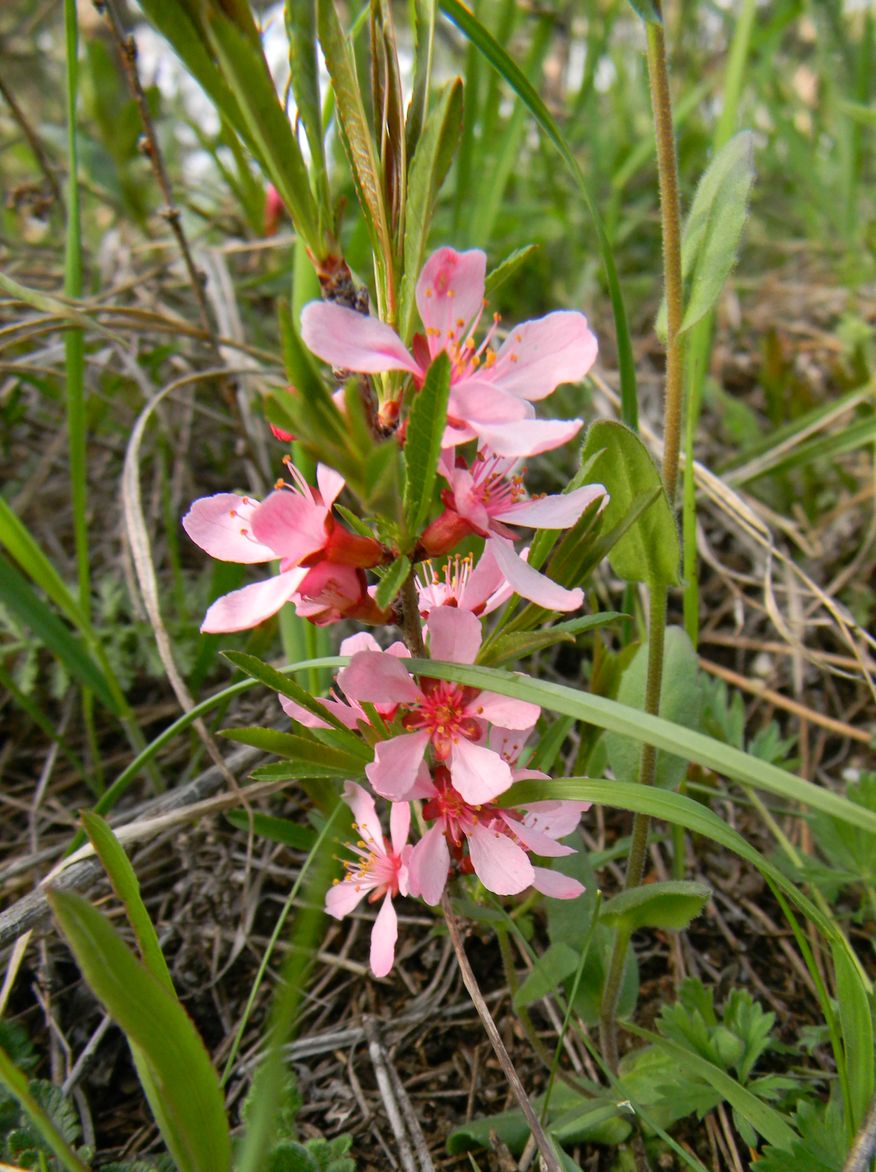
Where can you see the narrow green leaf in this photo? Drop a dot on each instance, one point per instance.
(22, 600)
(127, 887)
(428, 169)
(513, 645)
(286, 686)
(356, 132)
(426, 424)
(681, 701)
(304, 75)
(15, 535)
(649, 11)
(300, 838)
(506, 269)
(499, 59)
(650, 550)
(16, 1083)
(189, 1106)
(713, 227)
(670, 904)
(642, 726)
(267, 124)
(547, 974)
(303, 770)
(392, 581)
(856, 1019)
(298, 748)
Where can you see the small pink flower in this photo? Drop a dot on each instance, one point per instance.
(480, 588)
(321, 563)
(449, 718)
(486, 499)
(379, 870)
(498, 840)
(492, 391)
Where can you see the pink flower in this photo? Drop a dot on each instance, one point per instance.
(498, 840)
(321, 563)
(450, 718)
(486, 500)
(492, 391)
(479, 588)
(379, 868)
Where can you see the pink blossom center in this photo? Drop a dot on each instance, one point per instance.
(375, 867)
(493, 488)
(443, 713)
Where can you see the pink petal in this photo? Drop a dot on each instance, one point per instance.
(529, 438)
(365, 815)
(499, 863)
(342, 897)
(344, 712)
(450, 295)
(329, 584)
(363, 641)
(330, 484)
(395, 770)
(353, 341)
(251, 605)
(484, 584)
(303, 715)
(539, 355)
(529, 583)
(535, 840)
(556, 818)
(555, 884)
(383, 937)
(291, 524)
(399, 825)
(478, 774)
(429, 864)
(378, 677)
(454, 635)
(467, 501)
(222, 526)
(476, 400)
(553, 512)
(504, 711)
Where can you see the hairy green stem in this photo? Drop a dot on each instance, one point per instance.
(670, 219)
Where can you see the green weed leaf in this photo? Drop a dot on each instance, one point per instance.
(426, 424)
(671, 904)
(392, 581)
(549, 971)
(650, 550)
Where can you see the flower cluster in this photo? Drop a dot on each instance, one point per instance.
(446, 752)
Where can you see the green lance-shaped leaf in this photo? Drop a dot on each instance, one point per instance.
(428, 169)
(392, 581)
(328, 760)
(671, 904)
(304, 75)
(127, 887)
(650, 550)
(426, 424)
(18, 1085)
(680, 701)
(300, 838)
(267, 124)
(506, 269)
(713, 228)
(26, 604)
(178, 1077)
(549, 971)
(355, 131)
(516, 644)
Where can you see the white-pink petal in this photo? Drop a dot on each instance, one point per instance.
(291, 524)
(538, 356)
(399, 825)
(251, 605)
(555, 884)
(377, 677)
(450, 295)
(383, 937)
(500, 864)
(505, 711)
(478, 774)
(353, 341)
(395, 770)
(529, 583)
(553, 512)
(529, 438)
(557, 817)
(536, 841)
(429, 864)
(454, 635)
(342, 897)
(365, 815)
(222, 526)
(330, 484)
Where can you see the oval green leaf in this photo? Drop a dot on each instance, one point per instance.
(671, 904)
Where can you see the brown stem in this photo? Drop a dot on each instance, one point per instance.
(545, 1147)
(411, 626)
